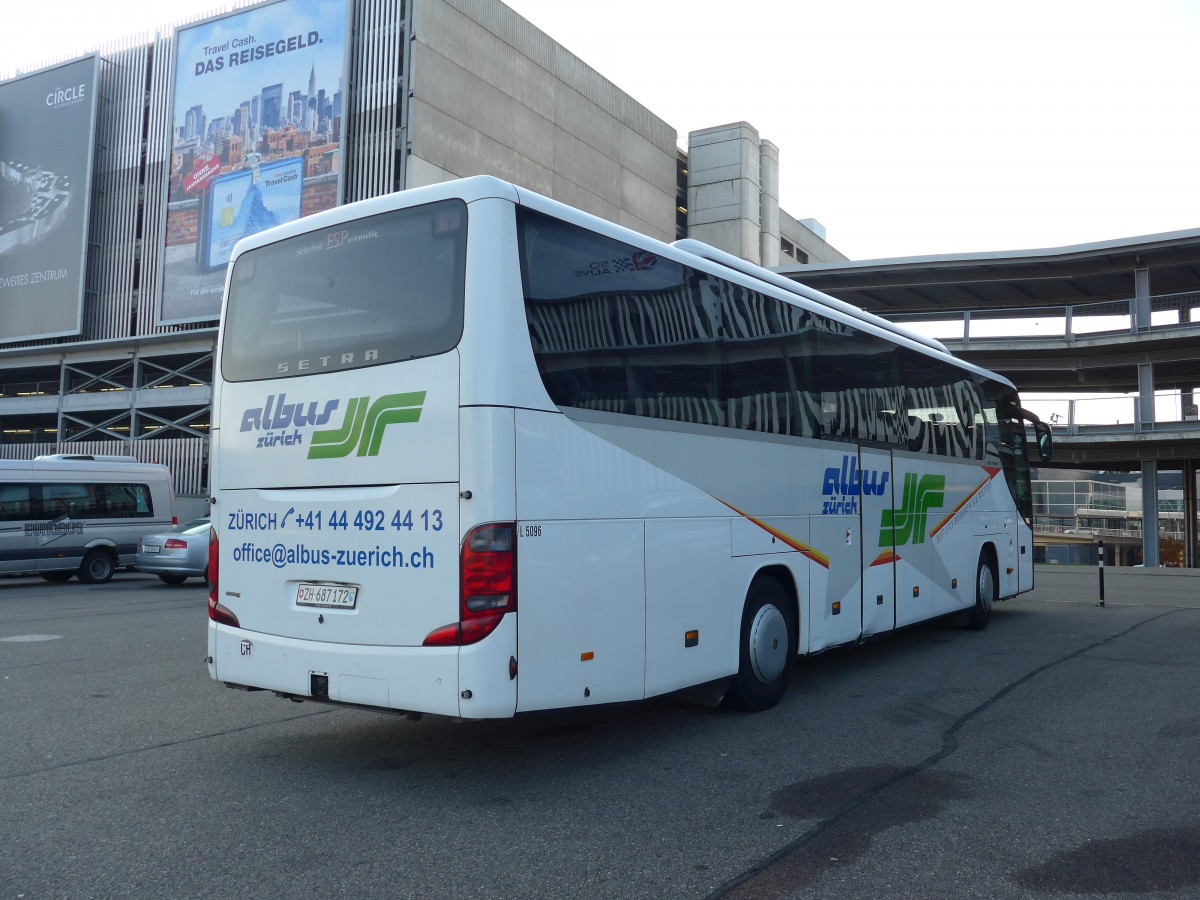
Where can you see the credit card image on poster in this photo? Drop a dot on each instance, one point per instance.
(236, 205)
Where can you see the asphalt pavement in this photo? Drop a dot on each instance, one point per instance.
(1051, 755)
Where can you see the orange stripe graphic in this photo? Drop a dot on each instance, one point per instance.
(887, 556)
(819, 558)
(992, 473)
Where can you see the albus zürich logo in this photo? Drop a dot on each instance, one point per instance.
(361, 431)
(843, 486)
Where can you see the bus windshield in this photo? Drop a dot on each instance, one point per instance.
(376, 290)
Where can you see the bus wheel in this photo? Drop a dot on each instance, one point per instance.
(985, 593)
(766, 647)
(97, 568)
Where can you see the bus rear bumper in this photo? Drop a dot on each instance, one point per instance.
(405, 679)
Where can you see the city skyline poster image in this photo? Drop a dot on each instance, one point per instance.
(47, 127)
(256, 138)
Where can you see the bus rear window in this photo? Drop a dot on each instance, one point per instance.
(376, 290)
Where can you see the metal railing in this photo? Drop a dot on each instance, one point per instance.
(1098, 533)
(1058, 323)
(1072, 414)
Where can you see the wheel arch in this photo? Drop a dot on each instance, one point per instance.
(787, 580)
(988, 551)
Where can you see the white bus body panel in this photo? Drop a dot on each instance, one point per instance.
(498, 368)
(1024, 544)
(410, 678)
(268, 428)
(689, 583)
(285, 519)
(288, 517)
(581, 622)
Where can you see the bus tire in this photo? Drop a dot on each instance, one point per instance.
(97, 568)
(766, 647)
(58, 576)
(985, 592)
(173, 579)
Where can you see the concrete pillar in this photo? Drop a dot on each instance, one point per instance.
(1190, 548)
(61, 424)
(1141, 300)
(768, 168)
(1150, 514)
(724, 189)
(1145, 395)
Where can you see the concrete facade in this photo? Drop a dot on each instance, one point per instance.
(733, 199)
(491, 94)
(807, 241)
(725, 188)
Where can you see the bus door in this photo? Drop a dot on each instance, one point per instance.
(835, 608)
(918, 504)
(876, 487)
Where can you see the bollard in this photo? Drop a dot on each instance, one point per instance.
(1101, 546)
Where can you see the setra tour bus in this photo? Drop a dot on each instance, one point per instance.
(477, 453)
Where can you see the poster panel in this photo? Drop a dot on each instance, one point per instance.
(47, 128)
(256, 139)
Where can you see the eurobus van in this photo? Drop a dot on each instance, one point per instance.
(66, 515)
(476, 453)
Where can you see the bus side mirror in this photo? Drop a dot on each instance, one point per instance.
(1045, 443)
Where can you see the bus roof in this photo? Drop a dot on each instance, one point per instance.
(692, 253)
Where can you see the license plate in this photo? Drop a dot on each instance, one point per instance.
(150, 549)
(332, 596)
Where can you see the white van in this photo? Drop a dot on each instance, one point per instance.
(73, 514)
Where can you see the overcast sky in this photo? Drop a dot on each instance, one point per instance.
(906, 128)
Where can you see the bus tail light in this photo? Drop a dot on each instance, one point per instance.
(487, 585)
(216, 611)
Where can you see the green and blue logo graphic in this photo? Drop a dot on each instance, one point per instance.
(907, 525)
(283, 424)
(362, 429)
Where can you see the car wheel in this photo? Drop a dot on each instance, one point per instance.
(767, 647)
(57, 576)
(98, 567)
(173, 579)
(985, 593)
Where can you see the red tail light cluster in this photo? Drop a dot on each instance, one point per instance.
(216, 611)
(177, 544)
(487, 585)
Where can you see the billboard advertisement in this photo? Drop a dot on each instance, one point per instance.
(256, 138)
(47, 126)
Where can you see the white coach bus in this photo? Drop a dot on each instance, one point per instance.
(67, 514)
(477, 453)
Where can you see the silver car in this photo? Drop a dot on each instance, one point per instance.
(176, 555)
